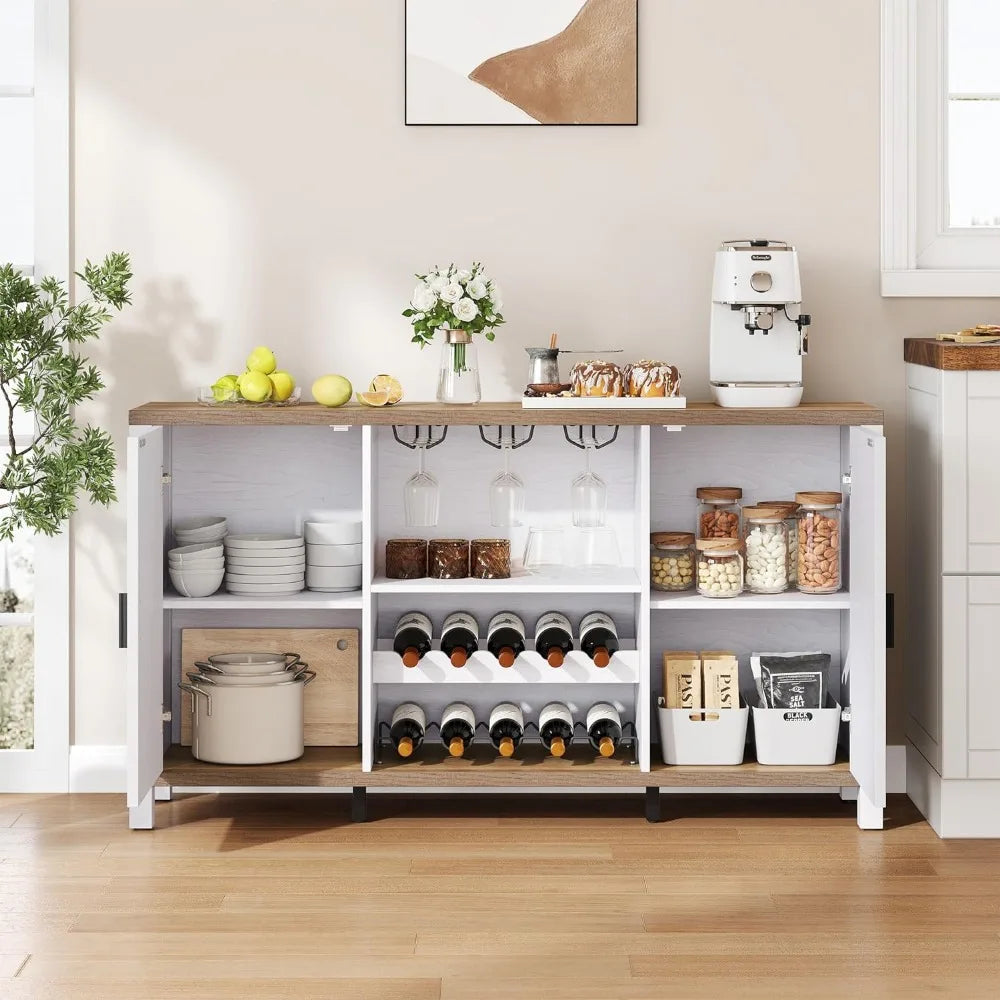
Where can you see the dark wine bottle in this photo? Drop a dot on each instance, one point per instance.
(506, 728)
(553, 637)
(412, 639)
(458, 727)
(459, 637)
(604, 728)
(407, 728)
(505, 637)
(598, 637)
(555, 724)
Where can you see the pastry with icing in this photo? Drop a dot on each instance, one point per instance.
(597, 378)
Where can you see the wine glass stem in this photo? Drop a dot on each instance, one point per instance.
(420, 459)
(506, 462)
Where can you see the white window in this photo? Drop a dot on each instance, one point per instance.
(34, 235)
(940, 143)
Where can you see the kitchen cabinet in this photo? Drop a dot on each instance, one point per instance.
(953, 585)
(267, 469)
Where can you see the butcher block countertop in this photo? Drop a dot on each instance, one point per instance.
(951, 357)
(508, 414)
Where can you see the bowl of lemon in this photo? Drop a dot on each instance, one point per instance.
(262, 384)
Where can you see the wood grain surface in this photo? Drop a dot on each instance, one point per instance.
(331, 700)
(512, 897)
(951, 357)
(507, 414)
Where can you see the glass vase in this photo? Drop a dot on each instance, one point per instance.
(458, 380)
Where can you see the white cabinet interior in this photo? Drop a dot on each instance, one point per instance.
(273, 477)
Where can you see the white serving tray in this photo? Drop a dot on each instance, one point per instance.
(604, 402)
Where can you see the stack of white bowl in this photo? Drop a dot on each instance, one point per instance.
(196, 570)
(193, 530)
(265, 564)
(333, 555)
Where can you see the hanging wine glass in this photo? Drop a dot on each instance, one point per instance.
(421, 495)
(506, 496)
(590, 497)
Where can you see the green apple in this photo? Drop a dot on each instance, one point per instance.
(225, 388)
(255, 386)
(283, 385)
(332, 390)
(262, 360)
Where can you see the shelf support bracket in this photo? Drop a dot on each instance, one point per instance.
(653, 813)
(359, 804)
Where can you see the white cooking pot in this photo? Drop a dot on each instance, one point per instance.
(247, 680)
(247, 724)
(248, 664)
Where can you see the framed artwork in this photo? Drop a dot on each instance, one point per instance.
(522, 62)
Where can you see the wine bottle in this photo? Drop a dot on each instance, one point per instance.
(505, 637)
(459, 637)
(598, 637)
(553, 637)
(555, 724)
(604, 728)
(412, 639)
(407, 728)
(506, 728)
(458, 727)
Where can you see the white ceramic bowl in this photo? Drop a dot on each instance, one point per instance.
(263, 589)
(199, 552)
(202, 565)
(239, 579)
(332, 532)
(199, 529)
(196, 582)
(279, 569)
(263, 541)
(333, 577)
(333, 555)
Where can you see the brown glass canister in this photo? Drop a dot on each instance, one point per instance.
(491, 558)
(406, 558)
(448, 558)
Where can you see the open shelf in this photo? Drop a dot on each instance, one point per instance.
(329, 767)
(750, 775)
(305, 600)
(569, 581)
(788, 601)
(484, 668)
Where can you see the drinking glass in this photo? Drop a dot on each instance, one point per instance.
(421, 496)
(590, 497)
(506, 496)
(544, 552)
(596, 548)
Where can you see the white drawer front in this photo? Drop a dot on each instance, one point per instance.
(983, 664)
(984, 483)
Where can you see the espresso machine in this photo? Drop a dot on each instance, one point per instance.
(759, 333)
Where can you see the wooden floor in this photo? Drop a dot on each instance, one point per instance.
(472, 897)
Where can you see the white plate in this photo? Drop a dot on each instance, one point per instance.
(250, 557)
(333, 555)
(264, 540)
(332, 532)
(239, 580)
(252, 590)
(278, 569)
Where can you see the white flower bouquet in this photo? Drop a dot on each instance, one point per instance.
(454, 298)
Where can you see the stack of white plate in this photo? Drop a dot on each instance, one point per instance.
(265, 564)
(193, 530)
(196, 570)
(333, 555)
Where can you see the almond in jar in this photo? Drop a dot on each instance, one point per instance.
(719, 511)
(819, 542)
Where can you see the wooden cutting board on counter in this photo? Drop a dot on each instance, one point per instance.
(331, 700)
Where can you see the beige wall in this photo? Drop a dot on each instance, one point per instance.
(251, 156)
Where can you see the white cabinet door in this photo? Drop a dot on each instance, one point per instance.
(144, 682)
(866, 649)
(982, 662)
(983, 429)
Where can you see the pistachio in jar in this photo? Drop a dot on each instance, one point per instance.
(671, 560)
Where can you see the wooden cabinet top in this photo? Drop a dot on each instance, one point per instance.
(951, 357)
(511, 413)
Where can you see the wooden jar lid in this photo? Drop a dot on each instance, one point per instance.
(720, 546)
(671, 539)
(819, 498)
(719, 493)
(761, 512)
(788, 506)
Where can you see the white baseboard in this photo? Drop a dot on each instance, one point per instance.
(96, 768)
(102, 769)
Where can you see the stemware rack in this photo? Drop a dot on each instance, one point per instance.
(185, 460)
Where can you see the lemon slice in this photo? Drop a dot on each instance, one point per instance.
(389, 384)
(373, 398)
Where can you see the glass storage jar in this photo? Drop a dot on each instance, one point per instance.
(448, 558)
(819, 548)
(406, 558)
(765, 539)
(719, 511)
(671, 560)
(720, 567)
(791, 512)
(491, 558)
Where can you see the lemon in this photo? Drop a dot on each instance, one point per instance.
(373, 398)
(255, 386)
(225, 388)
(283, 385)
(389, 384)
(332, 390)
(262, 359)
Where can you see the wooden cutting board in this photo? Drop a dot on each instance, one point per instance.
(331, 700)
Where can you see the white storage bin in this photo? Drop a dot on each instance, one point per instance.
(703, 736)
(796, 736)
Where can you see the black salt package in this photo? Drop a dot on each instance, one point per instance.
(792, 680)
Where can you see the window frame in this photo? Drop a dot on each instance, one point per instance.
(922, 255)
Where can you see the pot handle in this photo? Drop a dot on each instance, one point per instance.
(202, 678)
(194, 689)
(299, 669)
(308, 676)
(210, 667)
(291, 659)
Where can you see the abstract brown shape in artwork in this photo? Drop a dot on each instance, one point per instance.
(585, 75)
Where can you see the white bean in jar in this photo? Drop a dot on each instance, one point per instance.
(766, 541)
(720, 574)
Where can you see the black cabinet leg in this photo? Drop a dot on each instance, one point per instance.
(359, 805)
(653, 805)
